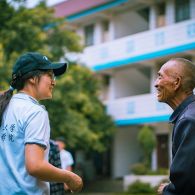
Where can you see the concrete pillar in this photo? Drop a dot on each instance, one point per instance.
(97, 33)
(111, 93)
(111, 30)
(192, 9)
(154, 160)
(170, 12)
(152, 18)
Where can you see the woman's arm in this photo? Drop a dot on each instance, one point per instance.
(41, 169)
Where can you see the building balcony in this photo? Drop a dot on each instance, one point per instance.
(138, 109)
(179, 37)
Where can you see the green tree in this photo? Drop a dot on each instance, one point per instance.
(81, 117)
(147, 140)
(75, 111)
(34, 29)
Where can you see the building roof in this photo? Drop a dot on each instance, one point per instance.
(70, 7)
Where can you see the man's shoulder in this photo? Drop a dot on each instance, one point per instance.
(190, 111)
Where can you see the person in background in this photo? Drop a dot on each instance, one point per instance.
(54, 159)
(175, 84)
(25, 129)
(66, 157)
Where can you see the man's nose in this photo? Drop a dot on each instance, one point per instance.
(156, 83)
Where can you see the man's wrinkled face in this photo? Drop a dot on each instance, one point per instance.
(164, 83)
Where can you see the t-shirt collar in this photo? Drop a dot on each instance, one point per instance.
(25, 96)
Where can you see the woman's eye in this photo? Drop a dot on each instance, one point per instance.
(52, 76)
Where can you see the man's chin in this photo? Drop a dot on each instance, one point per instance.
(159, 99)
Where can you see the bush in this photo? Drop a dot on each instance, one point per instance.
(160, 171)
(139, 169)
(140, 188)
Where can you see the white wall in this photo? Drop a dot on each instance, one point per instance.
(126, 151)
(129, 82)
(129, 23)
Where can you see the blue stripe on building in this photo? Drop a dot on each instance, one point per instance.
(134, 121)
(147, 56)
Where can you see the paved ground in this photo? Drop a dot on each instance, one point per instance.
(102, 186)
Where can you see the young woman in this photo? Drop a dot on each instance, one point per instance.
(25, 130)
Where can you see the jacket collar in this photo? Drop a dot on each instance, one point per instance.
(180, 108)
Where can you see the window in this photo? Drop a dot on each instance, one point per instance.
(144, 13)
(182, 10)
(160, 15)
(89, 35)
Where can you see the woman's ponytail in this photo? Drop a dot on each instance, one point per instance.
(4, 100)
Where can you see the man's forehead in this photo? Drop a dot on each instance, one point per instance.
(163, 68)
(170, 66)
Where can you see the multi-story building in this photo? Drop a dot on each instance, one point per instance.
(126, 42)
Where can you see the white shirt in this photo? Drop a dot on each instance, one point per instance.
(66, 159)
(24, 121)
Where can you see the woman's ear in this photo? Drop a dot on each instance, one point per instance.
(32, 80)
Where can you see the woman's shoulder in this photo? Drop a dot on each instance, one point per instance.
(26, 104)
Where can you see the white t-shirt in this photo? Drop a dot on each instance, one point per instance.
(25, 121)
(66, 159)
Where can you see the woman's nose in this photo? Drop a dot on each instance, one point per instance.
(53, 82)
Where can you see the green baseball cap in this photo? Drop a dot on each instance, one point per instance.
(32, 61)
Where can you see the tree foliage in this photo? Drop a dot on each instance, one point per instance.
(81, 116)
(147, 140)
(75, 111)
(34, 29)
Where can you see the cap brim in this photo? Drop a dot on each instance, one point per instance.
(58, 68)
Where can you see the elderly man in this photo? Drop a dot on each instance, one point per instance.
(175, 84)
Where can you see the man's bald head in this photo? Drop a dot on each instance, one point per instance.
(175, 81)
(185, 69)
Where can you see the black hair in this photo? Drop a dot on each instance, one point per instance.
(4, 100)
(17, 83)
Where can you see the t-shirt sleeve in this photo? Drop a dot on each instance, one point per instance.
(37, 130)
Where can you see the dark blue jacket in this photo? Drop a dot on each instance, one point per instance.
(182, 170)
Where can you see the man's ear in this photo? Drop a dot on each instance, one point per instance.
(177, 83)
